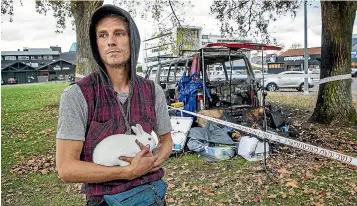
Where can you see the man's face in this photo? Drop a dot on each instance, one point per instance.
(113, 41)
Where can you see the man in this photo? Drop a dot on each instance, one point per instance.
(109, 102)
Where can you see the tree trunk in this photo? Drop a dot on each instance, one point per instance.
(82, 11)
(334, 102)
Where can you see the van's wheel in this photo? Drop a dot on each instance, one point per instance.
(272, 87)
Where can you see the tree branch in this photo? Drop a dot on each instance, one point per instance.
(172, 9)
(250, 15)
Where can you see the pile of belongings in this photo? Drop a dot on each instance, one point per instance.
(212, 141)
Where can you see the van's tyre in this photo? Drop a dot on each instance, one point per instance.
(272, 87)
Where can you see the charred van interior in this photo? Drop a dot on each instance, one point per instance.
(225, 73)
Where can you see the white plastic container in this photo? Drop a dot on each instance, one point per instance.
(180, 128)
(252, 149)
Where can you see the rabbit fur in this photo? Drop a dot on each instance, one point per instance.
(108, 151)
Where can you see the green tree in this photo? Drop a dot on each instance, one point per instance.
(251, 18)
(139, 68)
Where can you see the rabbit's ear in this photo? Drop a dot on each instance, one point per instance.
(140, 128)
(136, 130)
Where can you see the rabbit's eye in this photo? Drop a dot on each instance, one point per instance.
(149, 139)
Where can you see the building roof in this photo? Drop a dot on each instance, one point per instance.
(69, 56)
(18, 64)
(55, 62)
(300, 52)
(31, 51)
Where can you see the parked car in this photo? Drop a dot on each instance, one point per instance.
(11, 80)
(354, 72)
(288, 79)
(259, 74)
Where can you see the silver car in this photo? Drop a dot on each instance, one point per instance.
(288, 79)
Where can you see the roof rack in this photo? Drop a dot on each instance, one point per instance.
(248, 46)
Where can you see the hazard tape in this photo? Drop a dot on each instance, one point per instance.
(283, 140)
(335, 78)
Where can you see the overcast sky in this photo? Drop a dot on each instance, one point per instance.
(30, 29)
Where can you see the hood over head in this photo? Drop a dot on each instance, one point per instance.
(134, 37)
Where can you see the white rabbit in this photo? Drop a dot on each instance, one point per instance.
(108, 151)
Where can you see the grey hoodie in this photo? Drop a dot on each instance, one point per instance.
(133, 35)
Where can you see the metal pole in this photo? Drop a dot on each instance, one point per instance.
(306, 83)
(230, 78)
(203, 77)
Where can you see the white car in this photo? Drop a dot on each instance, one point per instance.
(288, 79)
(259, 74)
(354, 72)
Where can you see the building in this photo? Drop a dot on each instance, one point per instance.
(23, 73)
(187, 39)
(57, 70)
(34, 57)
(168, 45)
(293, 60)
(37, 64)
(214, 38)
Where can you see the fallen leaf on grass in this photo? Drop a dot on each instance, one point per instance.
(283, 195)
(170, 186)
(308, 191)
(208, 191)
(16, 170)
(237, 197)
(170, 200)
(272, 196)
(292, 183)
(195, 188)
(44, 171)
(318, 204)
(284, 171)
(42, 164)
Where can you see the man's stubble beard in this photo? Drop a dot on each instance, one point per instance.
(117, 65)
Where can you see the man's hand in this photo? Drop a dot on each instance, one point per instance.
(163, 150)
(142, 163)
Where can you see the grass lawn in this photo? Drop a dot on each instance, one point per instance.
(29, 119)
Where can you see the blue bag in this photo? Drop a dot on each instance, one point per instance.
(149, 194)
